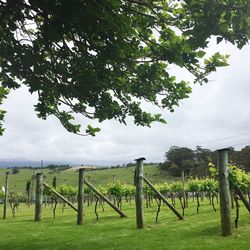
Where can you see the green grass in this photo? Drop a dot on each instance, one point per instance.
(200, 231)
(197, 231)
(97, 177)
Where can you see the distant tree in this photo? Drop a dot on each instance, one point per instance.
(58, 167)
(179, 159)
(28, 192)
(102, 58)
(201, 161)
(241, 158)
(54, 182)
(15, 171)
(193, 162)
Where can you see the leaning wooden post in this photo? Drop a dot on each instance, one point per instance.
(60, 196)
(5, 195)
(104, 198)
(80, 197)
(39, 197)
(163, 198)
(139, 192)
(225, 209)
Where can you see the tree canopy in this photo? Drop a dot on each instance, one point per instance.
(197, 162)
(101, 59)
(179, 159)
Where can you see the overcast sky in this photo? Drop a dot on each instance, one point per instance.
(218, 109)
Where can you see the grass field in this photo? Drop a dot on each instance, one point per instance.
(97, 177)
(200, 231)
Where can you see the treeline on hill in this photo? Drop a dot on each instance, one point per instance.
(196, 162)
(54, 167)
(61, 167)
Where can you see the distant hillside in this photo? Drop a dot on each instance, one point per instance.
(97, 177)
(11, 164)
(21, 163)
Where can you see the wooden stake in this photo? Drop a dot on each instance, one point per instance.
(139, 193)
(39, 197)
(5, 195)
(183, 187)
(225, 209)
(80, 198)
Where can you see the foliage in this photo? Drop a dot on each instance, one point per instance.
(15, 171)
(103, 190)
(202, 158)
(47, 191)
(57, 167)
(1, 194)
(102, 58)
(164, 188)
(3, 94)
(148, 191)
(67, 190)
(236, 176)
(194, 185)
(198, 164)
(119, 189)
(209, 185)
(240, 157)
(239, 177)
(175, 187)
(178, 159)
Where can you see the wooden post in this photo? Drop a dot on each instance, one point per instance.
(113, 180)
(39, 197)
(80, 197)
(183, 187)
(5, 195)
(225, 209)
(139, 193)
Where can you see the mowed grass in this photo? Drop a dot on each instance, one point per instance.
(197, 231)
(97, 177)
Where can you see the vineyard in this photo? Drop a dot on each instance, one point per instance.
(198, 202)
